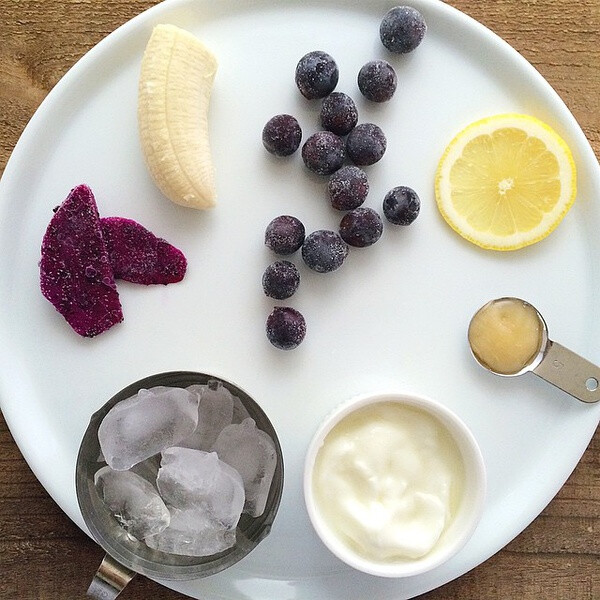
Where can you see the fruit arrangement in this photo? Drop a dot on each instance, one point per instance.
(325, 153)
(502, 183)
(83, 254)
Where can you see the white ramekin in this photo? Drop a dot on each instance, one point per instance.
(464, 520)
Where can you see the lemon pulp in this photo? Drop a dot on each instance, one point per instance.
(505, 182)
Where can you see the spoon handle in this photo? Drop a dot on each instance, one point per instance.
(570, 372)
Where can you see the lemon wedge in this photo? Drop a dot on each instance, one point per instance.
(505, 182)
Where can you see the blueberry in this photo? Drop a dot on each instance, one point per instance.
(317, 75)
(284, 234)
(348, 188)
(281, 135)
(377, 81)
(361, 227)
(286, 328)
(281, 280)
(402, 29)
(324, 251)
(338, 113)
(323, 152)
(401, 205)
(366, 144)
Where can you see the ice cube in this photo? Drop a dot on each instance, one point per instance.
(193, 532)
(133, 501)
(146, 424)
(252, 453)
(191, 478)
(147, 469)
(240, 412)
(215, 410)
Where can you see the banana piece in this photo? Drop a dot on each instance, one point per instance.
(175, 84)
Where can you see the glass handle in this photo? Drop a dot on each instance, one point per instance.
(570, 372)
(110, 580)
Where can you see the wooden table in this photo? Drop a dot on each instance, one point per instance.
(43, 555)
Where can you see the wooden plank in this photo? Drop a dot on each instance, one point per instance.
(43, 555)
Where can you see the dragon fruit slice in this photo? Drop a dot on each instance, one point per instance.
(75, 272)
(137, 255)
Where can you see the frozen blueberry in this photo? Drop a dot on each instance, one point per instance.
(317, 75)
(377, 81)
(284, 234)
(281, 135)
(324, 251)
(286, 328)
(323, 152)
(401, 205)
(281, 279)
(402, 29)
(348, 188)
(339, 113)
(361, 227)
(366, 144)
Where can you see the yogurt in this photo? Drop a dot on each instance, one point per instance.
(387, 480)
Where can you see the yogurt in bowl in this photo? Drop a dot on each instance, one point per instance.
(394, 484)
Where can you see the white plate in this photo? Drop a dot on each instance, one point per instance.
(395, 315)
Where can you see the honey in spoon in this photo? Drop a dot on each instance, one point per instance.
(506, 335)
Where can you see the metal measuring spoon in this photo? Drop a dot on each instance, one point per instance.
(547, 359)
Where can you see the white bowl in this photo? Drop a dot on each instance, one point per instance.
(467, 510)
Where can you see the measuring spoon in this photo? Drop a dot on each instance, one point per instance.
(509, 337)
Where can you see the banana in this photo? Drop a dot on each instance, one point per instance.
(175, 84)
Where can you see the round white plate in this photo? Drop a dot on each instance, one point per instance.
(394, 316)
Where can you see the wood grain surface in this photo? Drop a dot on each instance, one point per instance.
(44, 556)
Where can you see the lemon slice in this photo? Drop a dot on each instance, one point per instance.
(505, 182)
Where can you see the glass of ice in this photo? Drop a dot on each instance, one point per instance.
(127, 556)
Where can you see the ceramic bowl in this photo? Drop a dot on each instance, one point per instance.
(467, 505)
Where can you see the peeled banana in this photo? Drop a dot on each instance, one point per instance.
(175, 85)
